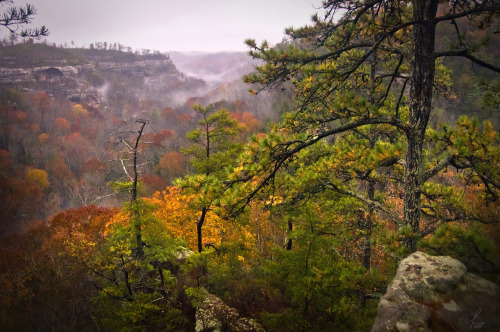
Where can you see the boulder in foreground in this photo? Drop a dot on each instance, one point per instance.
(436, 293)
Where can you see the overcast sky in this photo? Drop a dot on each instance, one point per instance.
(171, 25)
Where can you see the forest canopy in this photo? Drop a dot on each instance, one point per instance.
(134, 211)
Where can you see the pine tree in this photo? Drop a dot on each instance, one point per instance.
(214, 143)
(328, 64)
(14, 18)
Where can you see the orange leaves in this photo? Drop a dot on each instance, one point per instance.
(185, 118)
(43, 138)
(45, 265)
(62, 125)
(77, 146)
(179, 219)
(168, 112)
(78, 234)
(171, 165)
(17, 116)
(75, 139)
(266, 232)
(92, 166)
(88, 221)
(175, 215)
(162, 136)
(249, 123)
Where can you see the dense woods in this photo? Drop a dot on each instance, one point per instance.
(129, 192)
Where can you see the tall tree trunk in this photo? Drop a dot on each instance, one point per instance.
(199, 225)
(137, 227)
(367, 227)
(367, 249)
(201, 221)
(368, 220)
(289, 241)
(422, 80)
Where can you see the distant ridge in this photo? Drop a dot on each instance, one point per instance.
(214, 68)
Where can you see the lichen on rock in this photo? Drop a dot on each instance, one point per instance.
(432, 293)
(214, 315)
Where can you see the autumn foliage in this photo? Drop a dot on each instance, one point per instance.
(298, 224)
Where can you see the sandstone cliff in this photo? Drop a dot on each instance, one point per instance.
(86, 75)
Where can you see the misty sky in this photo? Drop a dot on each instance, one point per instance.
(171, 25)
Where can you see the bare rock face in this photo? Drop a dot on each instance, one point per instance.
(89, 75)
(214, 315)
(435, 293)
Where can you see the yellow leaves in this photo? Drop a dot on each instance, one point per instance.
(120, 248)
(489, 131)
(120, 218)
(236, 173)
(274, 200)
(78, 110)
(39, 177)
(326, 66)
(399, 34)
(238, 169)
(308, 83)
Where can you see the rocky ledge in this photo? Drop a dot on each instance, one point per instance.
(214, 315)
(436, 293)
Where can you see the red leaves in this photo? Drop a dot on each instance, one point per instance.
(162, 136)
(171, 165)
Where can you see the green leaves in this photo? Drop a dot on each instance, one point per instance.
(213, 142)
(472, 243)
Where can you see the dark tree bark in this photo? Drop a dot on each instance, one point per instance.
(138, 231)
(289, 241)
(407, 45)
(367, 248)
(368, 224)
(199, 226)
(134, 150)
(422, 81)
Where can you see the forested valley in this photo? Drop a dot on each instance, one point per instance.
(132, 193)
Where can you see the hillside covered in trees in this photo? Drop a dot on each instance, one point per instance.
(131, 192)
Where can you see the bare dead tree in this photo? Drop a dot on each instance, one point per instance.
(133, 149)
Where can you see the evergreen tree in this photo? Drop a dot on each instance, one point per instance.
(14, 18)
(213, 146)
(328, 65)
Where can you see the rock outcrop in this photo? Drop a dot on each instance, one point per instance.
(214, 315)
(436, 293)
(82, 75)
